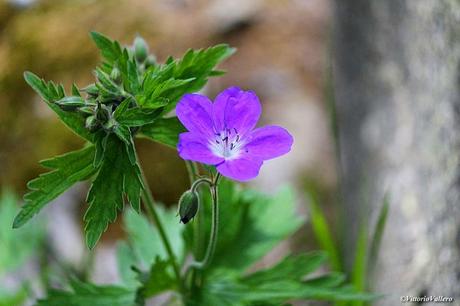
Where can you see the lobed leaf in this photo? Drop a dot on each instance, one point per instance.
(158, 279)
(164, 130)
(117, 176)
(222, 290)
(251, 225)
(117, 57)
(136, 117)
(14, 251)
(52, 93)
(144, 238)
(178, 77)
(84, 294)
(67, 169)
(291, 267)
(110, 50)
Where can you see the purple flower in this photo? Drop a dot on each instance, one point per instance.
(221, 133)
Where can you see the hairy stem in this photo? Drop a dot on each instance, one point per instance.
(214, 225)
(149, 204)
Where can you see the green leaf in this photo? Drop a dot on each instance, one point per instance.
(251, 224)
(359, 273)
(135, 117)
(332, 279)
(144, 246)
(291, 267)
(132, 77)
(123, 133)
(17, 298)
(110, 50)
(178, 77)
(165, 131)
(52, 93)
(322, 231)
(100, 141)
(14, 251)
(159, 279)
(157, 86)
(105, 196)
(85, 294)
(126, 259)
(228, 291)
(378, 232)
(116, 56)
(145, 239)
(67, 169)
(106, 82)
(122, 108)
(75, 90)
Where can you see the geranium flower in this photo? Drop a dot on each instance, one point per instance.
(221, 133)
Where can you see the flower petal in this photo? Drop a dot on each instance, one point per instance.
(241, 169)
(269, 142)
(236, 109)
(195, 113)
(194, 147)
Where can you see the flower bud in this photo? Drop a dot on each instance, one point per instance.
(188, 206)
(102, 113)
(91, 123)
(70, 103)
(151, 60)
(91, 90)
(141, 50)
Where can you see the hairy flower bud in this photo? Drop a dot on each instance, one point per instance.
(71, 103)
(188, 206)
(91, 90)
(102, 113)
(141, 50)
(92, 124)
(151, 61)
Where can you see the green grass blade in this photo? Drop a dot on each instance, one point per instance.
(359, 273)
(322, 232)
(378, 232)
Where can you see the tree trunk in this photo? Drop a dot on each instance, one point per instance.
(396, 74)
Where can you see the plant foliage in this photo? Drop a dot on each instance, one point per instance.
(128, 98)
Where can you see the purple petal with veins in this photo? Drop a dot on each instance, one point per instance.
(221, 133)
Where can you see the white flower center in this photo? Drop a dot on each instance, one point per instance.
(227, 144)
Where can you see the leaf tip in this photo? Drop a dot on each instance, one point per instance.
(18, 221)
(29, 76)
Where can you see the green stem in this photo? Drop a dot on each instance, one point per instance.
(214, 225)
(149, 203)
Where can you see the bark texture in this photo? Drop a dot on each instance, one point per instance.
(396, 74)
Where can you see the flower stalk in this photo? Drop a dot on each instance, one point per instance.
(149, 204)
(214, 222)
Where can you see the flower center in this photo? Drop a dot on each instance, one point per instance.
(227, 143)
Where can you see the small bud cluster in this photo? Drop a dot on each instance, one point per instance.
(141, 54)
(104, 96)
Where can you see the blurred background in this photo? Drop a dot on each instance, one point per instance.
(369, 89)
